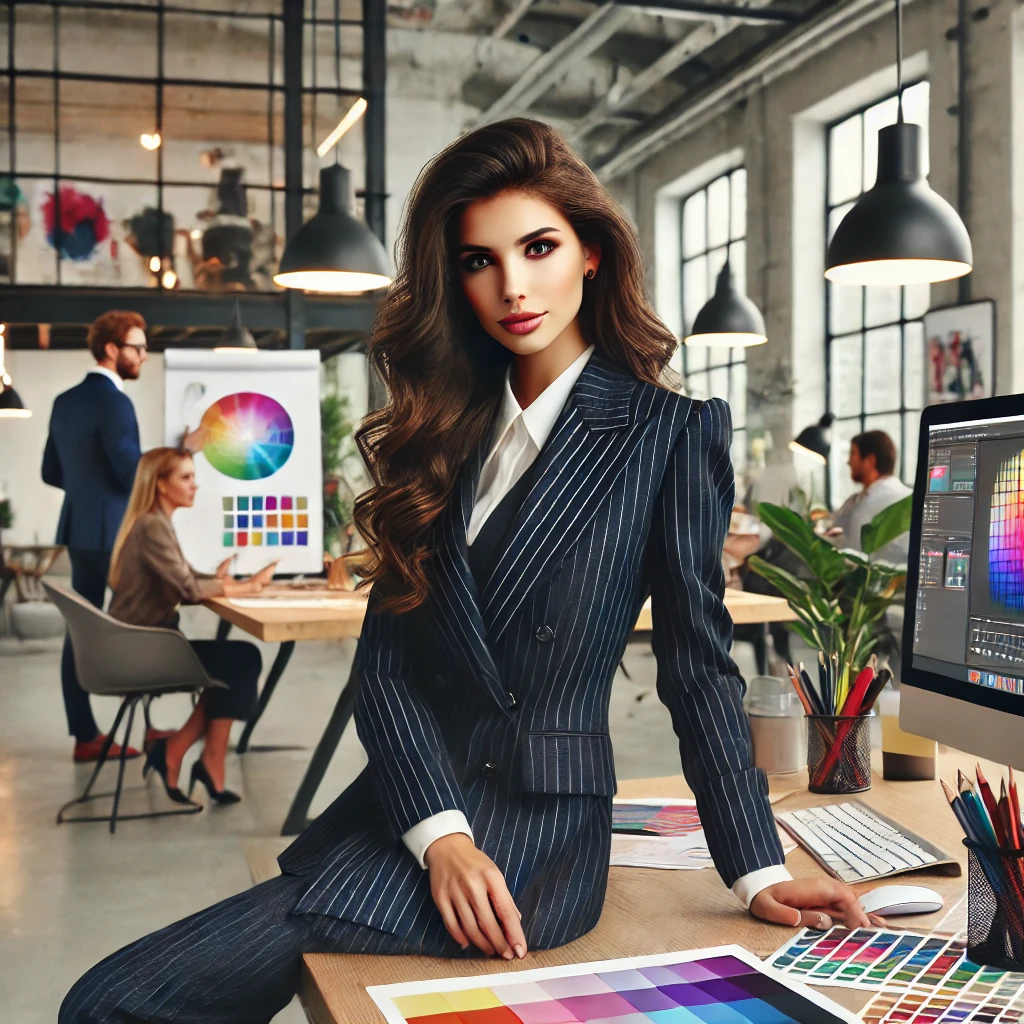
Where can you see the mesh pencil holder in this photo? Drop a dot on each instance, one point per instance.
(839, 753)
(995, 906)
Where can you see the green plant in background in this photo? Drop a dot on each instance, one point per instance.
(337, 448)
(6, 514)
(842, 601)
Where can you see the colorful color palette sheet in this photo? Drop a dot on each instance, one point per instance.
(726, 985)
(265, 520)
(655, 818)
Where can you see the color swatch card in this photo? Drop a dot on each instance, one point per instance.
(725, 985)
(655, 817)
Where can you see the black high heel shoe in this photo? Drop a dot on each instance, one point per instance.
(200, 774)
(156, 759)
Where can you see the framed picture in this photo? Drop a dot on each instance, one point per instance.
(960, 360)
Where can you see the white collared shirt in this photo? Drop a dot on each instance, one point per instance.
(110, 375)
(519, 436)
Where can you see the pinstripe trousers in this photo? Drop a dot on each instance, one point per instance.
(237, 962)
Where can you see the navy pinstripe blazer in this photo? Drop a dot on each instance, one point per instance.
(495, 701)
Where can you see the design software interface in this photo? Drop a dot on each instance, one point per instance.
(969, 620)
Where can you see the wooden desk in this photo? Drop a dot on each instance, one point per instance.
(288, 625)
(681, 909)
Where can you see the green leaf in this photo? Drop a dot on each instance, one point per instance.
(790, 527)
(890, 523)
(793, 590)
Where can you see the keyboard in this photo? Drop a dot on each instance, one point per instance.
(857, 844)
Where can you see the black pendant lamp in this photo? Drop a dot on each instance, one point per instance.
(728, 318)
(900, 231)
(815, 440)
(237, 337)
(11, 405)
(332, 251)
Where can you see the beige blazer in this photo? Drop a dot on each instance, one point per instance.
(154, 576)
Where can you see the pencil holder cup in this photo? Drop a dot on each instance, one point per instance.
(995, 906)
(839, 753)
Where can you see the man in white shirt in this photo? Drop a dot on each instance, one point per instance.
(872, 463)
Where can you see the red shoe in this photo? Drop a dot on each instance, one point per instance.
(152, 735)
(86, 752)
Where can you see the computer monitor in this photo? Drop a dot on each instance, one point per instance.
(963, 634)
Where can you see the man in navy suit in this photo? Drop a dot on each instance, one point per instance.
(91, 454)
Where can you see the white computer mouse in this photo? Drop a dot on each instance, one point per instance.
(901, 899)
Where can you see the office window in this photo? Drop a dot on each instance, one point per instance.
(874, 341)
(142, 146)
(713, 227)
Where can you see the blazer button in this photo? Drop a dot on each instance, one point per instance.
(489, 770)
(544, 634)
(510, 701)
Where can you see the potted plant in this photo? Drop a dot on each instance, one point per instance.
(841, 598)
(6, 515)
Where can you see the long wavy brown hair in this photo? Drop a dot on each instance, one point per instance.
(443, 372)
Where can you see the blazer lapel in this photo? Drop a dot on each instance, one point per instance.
(588, 448)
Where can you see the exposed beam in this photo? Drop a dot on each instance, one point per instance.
(511, 19)
(552, 66)
(789, 53)
(667, 8)
(694, 43)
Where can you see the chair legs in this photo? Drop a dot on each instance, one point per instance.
(128, 704)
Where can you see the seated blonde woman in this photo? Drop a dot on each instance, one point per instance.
(150, 578)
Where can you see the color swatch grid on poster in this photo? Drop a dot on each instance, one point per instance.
(918, 979)
(265, 520)
(726, 985)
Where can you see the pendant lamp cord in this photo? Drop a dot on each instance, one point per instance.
(899, 62)
(337, 65)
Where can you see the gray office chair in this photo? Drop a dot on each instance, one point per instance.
(132, 662)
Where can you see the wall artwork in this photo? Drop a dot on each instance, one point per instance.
(961, 351)
(259, 471)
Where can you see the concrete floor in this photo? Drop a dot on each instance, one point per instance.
(71, 894)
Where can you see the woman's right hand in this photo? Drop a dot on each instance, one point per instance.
(265, 576)
(470, 891)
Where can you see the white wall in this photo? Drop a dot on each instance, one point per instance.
(39, 377)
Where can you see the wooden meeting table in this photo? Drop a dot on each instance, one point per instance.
(678, 910)
(339, 615)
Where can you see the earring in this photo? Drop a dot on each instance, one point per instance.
(590, 273)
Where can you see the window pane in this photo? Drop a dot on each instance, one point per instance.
(914, 355)
(33, 121)
(738, 264)
(88, 39)
(738, 396)
(694, 224)
(911, 433)
(845, 161)
(881, 305)
(917, 299)
(696, 358)
(120, 114)
(882, 369)
(718, 212)
(718, 382)
(892, 424)
(33, 38)
(208, 129)
(846, 373)
(738, 217)
(845, 308)
(876, 117)
(210, 47)
(843, 431)
(695, 288)
(915, 110)
(698, 385)
(738, 453)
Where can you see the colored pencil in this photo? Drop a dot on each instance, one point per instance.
(990, 805)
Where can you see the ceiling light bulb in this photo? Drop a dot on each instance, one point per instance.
(150, 142)
(196, 234)
(170, 279)
(154, 264)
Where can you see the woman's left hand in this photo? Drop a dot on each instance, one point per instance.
(810, 903)
(224, 569)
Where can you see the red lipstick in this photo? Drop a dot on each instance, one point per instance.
(522, 323)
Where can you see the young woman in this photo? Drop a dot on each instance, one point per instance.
(534, 481)
(150, 578)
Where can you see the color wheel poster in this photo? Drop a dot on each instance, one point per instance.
(259, 469)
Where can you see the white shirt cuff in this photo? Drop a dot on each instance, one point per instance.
(749, 885)
(425, 832)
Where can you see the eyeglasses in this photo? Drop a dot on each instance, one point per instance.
(138, 348)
